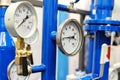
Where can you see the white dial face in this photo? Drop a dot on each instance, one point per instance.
(24, 20)
(34, 38)
(70, 37)
(113, 75)
(12, 72)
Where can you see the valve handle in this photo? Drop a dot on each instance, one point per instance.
(24, 66)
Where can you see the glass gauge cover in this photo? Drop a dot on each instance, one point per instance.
(33, 39)
(12, 72)
(21, 19)
(70, 37)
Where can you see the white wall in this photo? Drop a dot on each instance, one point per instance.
(36, 48)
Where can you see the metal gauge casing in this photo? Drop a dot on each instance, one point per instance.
(12, 72)
(21, 19)
(70, 37)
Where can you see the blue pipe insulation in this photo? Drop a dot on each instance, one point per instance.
(7, 47)
(39, 68)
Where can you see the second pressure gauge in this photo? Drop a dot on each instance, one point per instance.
(33, 39)
(70, 37)
(21, 19)
(12, 72)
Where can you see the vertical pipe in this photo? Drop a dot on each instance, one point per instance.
(82, 53)
(89, 43)
(49, 45)
(103, 12)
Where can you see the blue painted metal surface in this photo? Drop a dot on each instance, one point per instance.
(89, 45)
(99, 24)
(7, 47)
(53, 35)
(102, 28)
(49, 45)
(62, 7)
(39, 68)
(100, 39)
(103, 22)
(103, 13)
(103, 8)
(62, 59)
(88, 77)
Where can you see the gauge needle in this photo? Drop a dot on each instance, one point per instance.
(70, 37)
(23, 21)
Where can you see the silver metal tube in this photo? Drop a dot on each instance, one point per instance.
(36, 3)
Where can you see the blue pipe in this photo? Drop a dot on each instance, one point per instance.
(39, 68)
(62, 7)
(53, 35)
(49, 45)
(7, 46)
(97, 53)
(89, 45)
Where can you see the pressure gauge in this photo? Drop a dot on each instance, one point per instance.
(34, 38)
(12, 72)
(21, 19)
(70, 37)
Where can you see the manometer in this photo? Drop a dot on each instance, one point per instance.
(34, 38)
(21, 19)
(12, 72)
(70, 37)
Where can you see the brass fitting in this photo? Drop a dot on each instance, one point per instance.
(20, 43)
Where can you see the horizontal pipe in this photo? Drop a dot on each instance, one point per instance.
(61, 7)
(72, 10)
(34, 2)
(38, 68)
(53, 35)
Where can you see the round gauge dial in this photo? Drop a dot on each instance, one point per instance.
(34, 38)
(12, 72)
(70, 37)
(21, 19)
